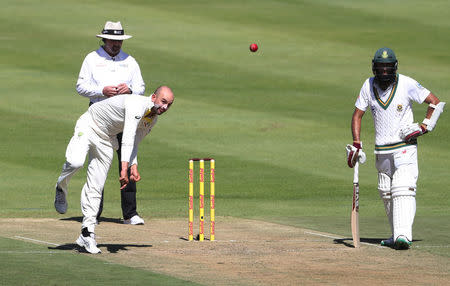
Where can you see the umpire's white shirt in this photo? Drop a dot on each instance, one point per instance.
(391, 109)
(124, 113)
(99, 69)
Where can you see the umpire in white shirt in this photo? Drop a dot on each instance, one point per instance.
(108, 72)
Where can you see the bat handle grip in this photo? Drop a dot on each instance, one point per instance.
(356, 173)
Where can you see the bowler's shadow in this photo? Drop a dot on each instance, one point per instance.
(349, 241)
(111, 248)
(101, 219)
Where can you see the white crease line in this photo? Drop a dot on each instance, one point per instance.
(30, 252)
(431, 246)
(324, 235)
(335, 237)
(35, 240)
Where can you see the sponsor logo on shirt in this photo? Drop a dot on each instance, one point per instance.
(399, 108)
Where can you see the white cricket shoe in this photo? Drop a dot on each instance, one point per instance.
(60, 201)
(89, 243)
(388, 242)
(402, 243)
(135, 220)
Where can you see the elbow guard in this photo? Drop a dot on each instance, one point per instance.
(438, 109)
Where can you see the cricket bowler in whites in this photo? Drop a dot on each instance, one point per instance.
(96, 136)
(389, 96)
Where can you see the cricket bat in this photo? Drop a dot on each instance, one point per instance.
(355, 208)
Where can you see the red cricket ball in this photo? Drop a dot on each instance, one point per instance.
(253, 47)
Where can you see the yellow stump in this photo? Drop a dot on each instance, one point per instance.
(191, 200)
(201, 235)
(212, 200)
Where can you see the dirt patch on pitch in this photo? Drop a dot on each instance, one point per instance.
(246, 252)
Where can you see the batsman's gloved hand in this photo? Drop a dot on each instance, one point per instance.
(411, 131)
(355, 152)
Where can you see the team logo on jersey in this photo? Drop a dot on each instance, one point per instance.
(399, 108)
(385, 55)
(148, 120)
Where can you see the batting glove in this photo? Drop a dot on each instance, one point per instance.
(411, 131)
(354, 153)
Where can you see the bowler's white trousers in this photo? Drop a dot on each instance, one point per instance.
(86, 141)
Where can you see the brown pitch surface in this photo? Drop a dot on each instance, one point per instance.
(246, 252)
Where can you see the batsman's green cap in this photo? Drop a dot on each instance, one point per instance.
(384, 55)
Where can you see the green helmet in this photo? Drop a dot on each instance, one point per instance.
(384, 66)
(384, 55)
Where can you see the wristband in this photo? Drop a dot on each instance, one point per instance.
(357, 145)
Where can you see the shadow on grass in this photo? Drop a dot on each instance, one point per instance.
(111, 248)
(349, 241)
(375, 241)
(102, 219)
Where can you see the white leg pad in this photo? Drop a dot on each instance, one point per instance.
(403, 211)
(384, 188)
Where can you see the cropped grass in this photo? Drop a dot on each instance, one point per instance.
(276, 121)
(25, 263)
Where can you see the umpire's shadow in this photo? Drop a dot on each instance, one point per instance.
(111, 248)
(101, 219)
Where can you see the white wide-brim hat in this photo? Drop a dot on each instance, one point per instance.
(113, 31)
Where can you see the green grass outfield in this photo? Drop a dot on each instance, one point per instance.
(277, 120)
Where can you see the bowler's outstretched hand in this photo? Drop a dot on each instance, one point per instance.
(123, 179)
(134, 174)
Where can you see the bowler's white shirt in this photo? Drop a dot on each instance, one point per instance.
(99, 69)
(391, 109)
(124, 113)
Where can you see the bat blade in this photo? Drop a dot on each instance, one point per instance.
(355, 216)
